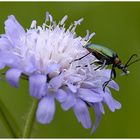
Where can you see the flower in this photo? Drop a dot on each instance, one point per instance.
(44, 55)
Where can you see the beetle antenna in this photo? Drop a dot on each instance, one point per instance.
(133, 55)
(133, 62)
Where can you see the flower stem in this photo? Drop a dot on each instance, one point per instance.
(8, 121)
(30, 119)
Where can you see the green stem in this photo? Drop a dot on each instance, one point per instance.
(8, 121)
(30, 120)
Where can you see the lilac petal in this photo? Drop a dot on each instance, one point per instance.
(61, 95)
(111, 102)
(31, 67)
(75, 78)
(53, 68)
(82, 114)
(69, 102)
(14, 30)
(113, 85)
(5, 44)
(90, 85)
(56, 82)
(72, 87)
(38, 85)
(2, 65)
(106, 73)
(98, 114)
(12, 76)
(117, 104)
(101, 107)
(9, 59)
(89, 95)
(46, 110)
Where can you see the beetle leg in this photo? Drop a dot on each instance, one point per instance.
(112, 74)
(91, 64)
(80, 57)
(101, 66)
(98, 67)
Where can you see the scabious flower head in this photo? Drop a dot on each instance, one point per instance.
(45, 55)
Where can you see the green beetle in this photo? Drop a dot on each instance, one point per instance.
(107, 56)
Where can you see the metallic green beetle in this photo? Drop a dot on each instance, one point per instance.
(107, 56)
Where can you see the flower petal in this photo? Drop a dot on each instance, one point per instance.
(101, 107)
(81, 111)
(111, 102)
(56, 82)
(113, 85)
(38, 85)
(72, 87)
(90, 85)
(2, 65)
(12, 76)
(30, 64)
(5, 43)
(53, 68)
(89, 95)
(46, 110)
(9, 59)
(117, 104)
(98, 114)
(14, 30)
(69, 102)
(61, 95)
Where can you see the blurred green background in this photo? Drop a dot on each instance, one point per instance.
(117, 25)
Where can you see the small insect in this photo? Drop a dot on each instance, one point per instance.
(107, 56)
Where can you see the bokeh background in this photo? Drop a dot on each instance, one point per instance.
(117, 25)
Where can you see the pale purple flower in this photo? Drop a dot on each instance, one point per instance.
(44, 54)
